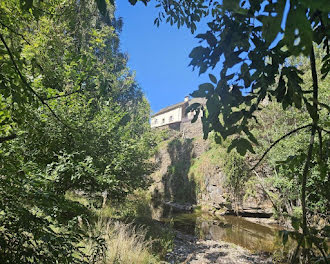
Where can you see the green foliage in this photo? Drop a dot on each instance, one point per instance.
(287, 159)
(237, 178)
(256, 43)
(72, 119)
(237, 173)
(123, 243)
(244, 34)
(211, 158)
(137, 210)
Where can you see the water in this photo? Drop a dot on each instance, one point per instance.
(233, 229)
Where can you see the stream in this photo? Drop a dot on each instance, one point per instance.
(237, 230)
(232, 229)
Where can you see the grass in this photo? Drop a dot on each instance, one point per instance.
(136, 209)
(207, 161)
(125, 232)
(113, 242)
(127, 244)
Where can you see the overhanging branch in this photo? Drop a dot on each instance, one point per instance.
(63, 95)
(10, 137)
(12, 30)
(27, 84)
(323, 129)
(277, 141)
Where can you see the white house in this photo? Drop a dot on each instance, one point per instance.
(174, 114)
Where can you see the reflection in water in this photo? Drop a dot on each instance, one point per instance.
(240, 232)
(233, 229)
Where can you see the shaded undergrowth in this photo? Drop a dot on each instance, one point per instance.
(125, 232)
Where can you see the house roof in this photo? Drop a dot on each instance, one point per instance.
(169, 108)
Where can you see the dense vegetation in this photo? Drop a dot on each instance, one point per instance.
(74, 124)
(256, 43)
(72, 120)
(286, 160)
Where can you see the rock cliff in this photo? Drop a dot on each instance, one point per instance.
(191, 170)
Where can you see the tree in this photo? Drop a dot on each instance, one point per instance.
(72, 118)
(254, 41)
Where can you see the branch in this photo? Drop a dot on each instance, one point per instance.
(294, 257)
(304, 179)
(319, 131)
(265, 191)
(63, 95)
(277, 141)
(310, 147)
(26, 83)
(324, 105)
(322, 252)
(10, 137)
(19, 34)
(308, 92)
(326, 131)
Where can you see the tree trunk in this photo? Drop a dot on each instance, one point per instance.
(311, 141)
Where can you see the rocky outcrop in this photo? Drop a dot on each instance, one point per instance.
(174, 159)
(178, 207)
(218, 200)
(177, 183)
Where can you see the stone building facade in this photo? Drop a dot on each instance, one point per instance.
(175, 117)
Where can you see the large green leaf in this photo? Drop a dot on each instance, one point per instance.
(242, 145)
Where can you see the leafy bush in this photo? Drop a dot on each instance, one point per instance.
(72, 118)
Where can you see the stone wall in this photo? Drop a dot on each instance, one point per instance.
(192, 130)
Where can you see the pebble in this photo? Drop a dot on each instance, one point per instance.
(188, 249)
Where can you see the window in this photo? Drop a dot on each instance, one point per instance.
(163, 120)
(155, 121)
(171, 118)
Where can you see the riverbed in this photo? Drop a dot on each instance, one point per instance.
(236, 238)
(232, 229)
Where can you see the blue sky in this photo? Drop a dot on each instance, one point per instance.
(159, 56)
